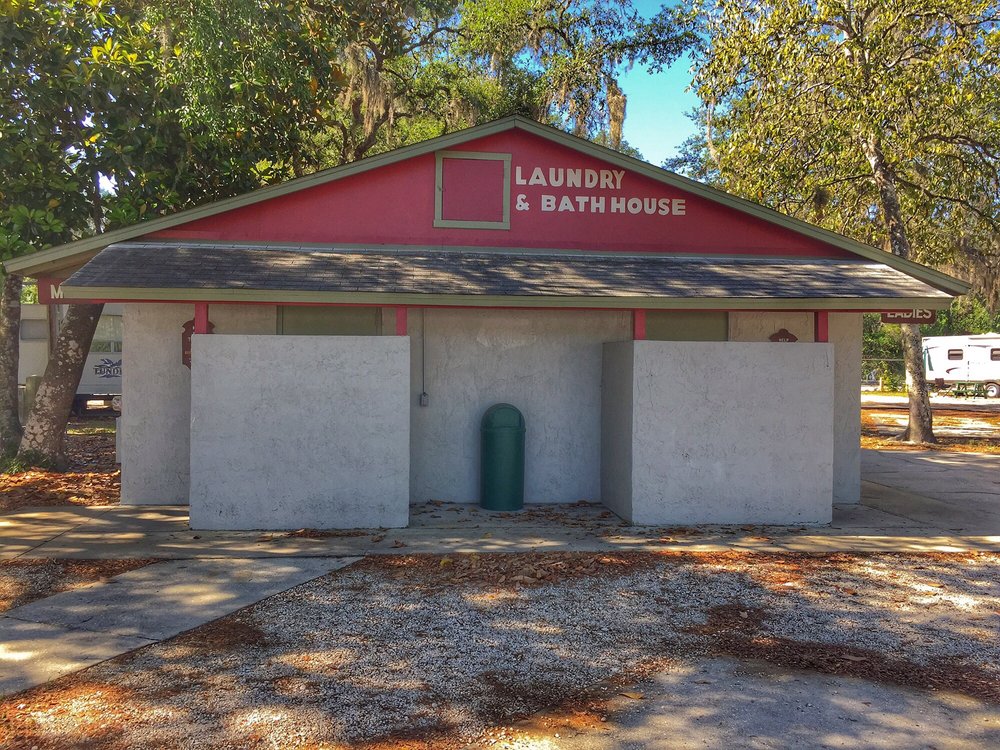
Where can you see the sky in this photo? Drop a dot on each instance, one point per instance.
(655, 113)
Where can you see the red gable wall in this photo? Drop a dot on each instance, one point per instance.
(394, 205)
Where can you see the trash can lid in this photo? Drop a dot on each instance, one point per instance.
(501, 416)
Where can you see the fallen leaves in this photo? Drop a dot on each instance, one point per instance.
(25, 580)
(47, 488)
(506, 570)
(228, 633)
(322, 534)
(958, 430)
(444, 628)
(93, 477)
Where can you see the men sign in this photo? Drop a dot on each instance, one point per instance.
(910, 316)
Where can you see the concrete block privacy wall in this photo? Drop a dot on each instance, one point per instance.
(718, 432)
(156, 395)
(547, 363)
(845, 335)
(300, 431)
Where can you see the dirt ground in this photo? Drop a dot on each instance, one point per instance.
(93, 477)
(458, 651)
(25, 580)
(967, 430)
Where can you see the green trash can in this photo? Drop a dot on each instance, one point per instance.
(502, 459)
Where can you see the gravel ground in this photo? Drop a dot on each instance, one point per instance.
(435, 651)
(23, 581)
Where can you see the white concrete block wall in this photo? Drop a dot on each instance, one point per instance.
(300, 431)
(156, 395)
(547, 363)
(845, 335)
(759, 450)
(156, 405)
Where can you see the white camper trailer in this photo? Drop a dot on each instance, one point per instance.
(102, 374)
(964, 361)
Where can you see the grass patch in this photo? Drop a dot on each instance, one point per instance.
(91, 427)
(18, 464)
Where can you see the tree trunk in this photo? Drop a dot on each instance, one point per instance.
(920, 428)
(46, 425)
(10, 327)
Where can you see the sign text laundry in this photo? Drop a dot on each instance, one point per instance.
(601, 179)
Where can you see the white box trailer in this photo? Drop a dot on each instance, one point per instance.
(964, 361)
(101, 379)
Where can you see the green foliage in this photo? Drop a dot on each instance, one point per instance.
(603, 138)
(92, 427)
(80, 99)
(40, 88)
(967, 315)
(114, 111)
(560, 59)
(18, 464)
(793, 91)
(882, 352)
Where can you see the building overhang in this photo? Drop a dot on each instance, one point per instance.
(183, 271)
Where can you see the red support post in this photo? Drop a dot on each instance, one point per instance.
(639, 325)
(201, 317)
(401, 321)
(821, 327)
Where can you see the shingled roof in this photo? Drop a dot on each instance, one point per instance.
(187, 270)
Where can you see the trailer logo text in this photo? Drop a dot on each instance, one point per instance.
(108, 368)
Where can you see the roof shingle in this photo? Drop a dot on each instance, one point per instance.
(189, 265)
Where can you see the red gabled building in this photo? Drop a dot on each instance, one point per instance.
(678, 353)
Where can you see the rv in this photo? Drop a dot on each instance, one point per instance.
(964, 361)
(101, 380)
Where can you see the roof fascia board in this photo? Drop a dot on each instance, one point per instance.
(466, 300)
(54, 266)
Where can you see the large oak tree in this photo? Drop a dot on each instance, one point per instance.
(879, 119)
(114, 111)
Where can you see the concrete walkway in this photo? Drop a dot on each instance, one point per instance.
(956, 492)
(75, 629)
(913, 501)
(722, 703)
